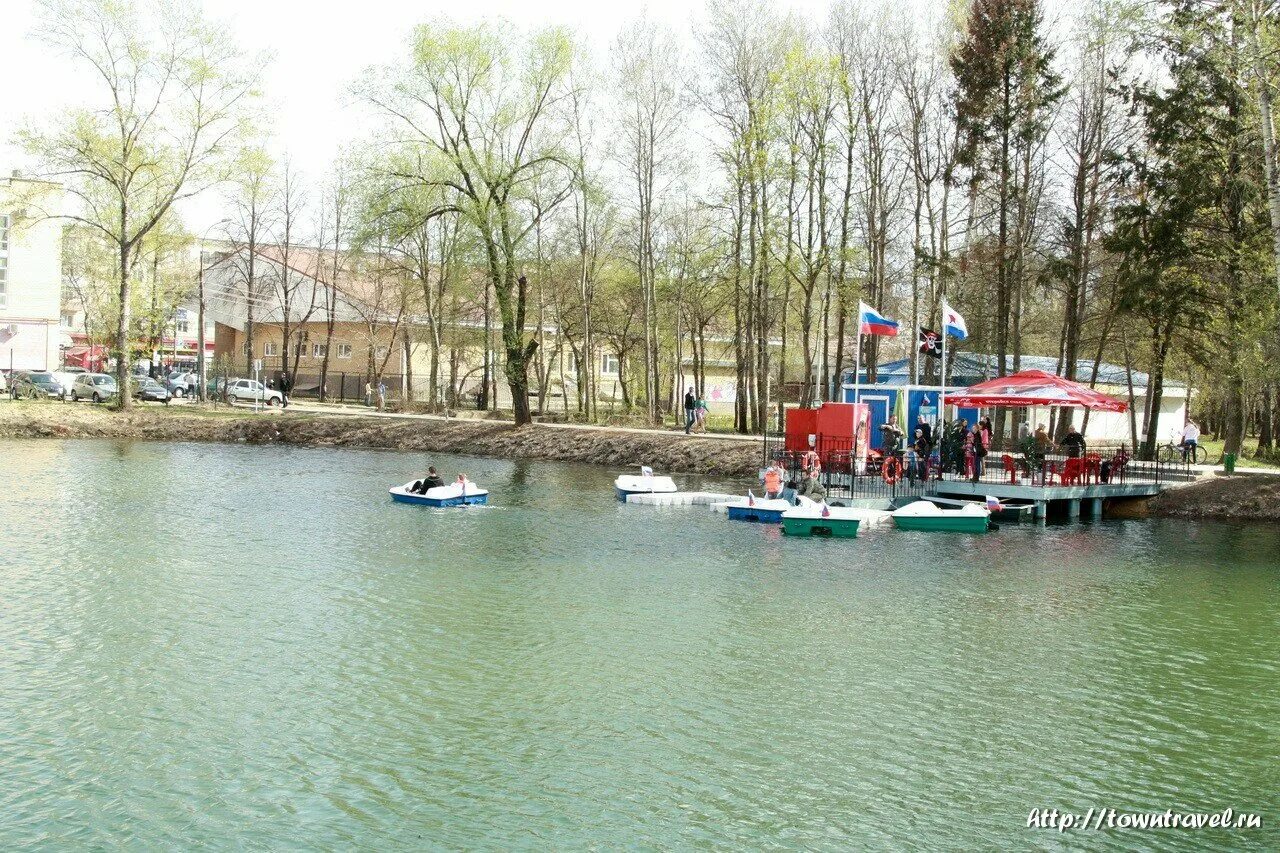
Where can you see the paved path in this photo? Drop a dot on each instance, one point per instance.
(362, 411)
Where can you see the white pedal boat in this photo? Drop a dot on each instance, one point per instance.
(642, 484)
(452, 494)
(767, 510)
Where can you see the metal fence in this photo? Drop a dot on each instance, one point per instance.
(340, 386)
(846, 475)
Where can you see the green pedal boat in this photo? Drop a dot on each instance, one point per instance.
(923, 515)
(821, 521)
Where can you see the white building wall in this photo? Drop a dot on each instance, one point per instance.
(31, 302)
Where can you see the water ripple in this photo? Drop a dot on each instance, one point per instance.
(253, 647)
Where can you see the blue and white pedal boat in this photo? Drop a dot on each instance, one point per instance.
(642, 484)
(452, 494)
(768, 511)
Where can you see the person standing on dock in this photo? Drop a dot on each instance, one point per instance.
(690, 406)
(922, 447)
(924, 427)
(1073, 443)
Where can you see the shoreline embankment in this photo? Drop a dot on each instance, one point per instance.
(1237, 497)
(670, 452)
(1242, 497)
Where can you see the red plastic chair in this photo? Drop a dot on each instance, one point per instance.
(1010, 468)
(1093, 467)
(1073, 472)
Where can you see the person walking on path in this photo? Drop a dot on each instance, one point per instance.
(368, 394)
(286, 387)
(690, 406)
(382, 395)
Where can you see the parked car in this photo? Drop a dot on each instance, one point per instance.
(182, 384)
(97, 387)
(248, 390)
(67, 376)
(146, 388)
(33, 384)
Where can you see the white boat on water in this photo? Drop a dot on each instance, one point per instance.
(452, 494)
(924, 515)
(644, 483)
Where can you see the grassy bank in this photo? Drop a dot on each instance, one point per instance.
(1244, 497)
(665, 451)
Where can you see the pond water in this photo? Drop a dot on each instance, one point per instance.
(253, 646)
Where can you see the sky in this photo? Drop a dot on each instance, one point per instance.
(319, 47)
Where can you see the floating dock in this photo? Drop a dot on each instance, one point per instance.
(680, 498)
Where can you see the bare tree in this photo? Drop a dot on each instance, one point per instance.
(170, 102)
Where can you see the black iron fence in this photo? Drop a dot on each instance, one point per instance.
(339, 386)
(881, 474)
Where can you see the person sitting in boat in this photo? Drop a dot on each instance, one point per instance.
(811, 487)
(431, 481)
(773, 481)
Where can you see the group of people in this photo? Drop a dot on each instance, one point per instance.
(433, 480)
(964, 447)
(695, 413)
(381, 391)
(808, 484)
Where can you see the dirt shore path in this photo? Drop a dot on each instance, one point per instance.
(665, 451)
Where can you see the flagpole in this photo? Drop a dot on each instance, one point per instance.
(857, 385)
(942, 377)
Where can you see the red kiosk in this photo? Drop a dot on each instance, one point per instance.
(837, 432)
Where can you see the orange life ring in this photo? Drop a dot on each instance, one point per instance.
(891, 470)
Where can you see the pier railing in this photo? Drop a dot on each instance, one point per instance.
(846, 476)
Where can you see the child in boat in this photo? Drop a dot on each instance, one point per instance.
(773, 481)
(431, 481)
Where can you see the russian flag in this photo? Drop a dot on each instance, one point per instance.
(872, 322)
(952, 323)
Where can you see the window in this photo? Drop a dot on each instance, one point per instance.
(380, 353)
(4, 281)
(270, 349)
(4, 232)
(319, 350)
(68, 320)
(609, 363)
(183, 325)
(344, 350)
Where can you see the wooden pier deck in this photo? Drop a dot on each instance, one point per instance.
(1087, 497)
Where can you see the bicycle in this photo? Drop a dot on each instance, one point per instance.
(1175, 451)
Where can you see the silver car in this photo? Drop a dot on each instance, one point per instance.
(248, 390)
(97, 387)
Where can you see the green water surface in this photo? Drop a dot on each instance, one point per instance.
(254, 648)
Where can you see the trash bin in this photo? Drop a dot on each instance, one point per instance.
(1228, 463)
